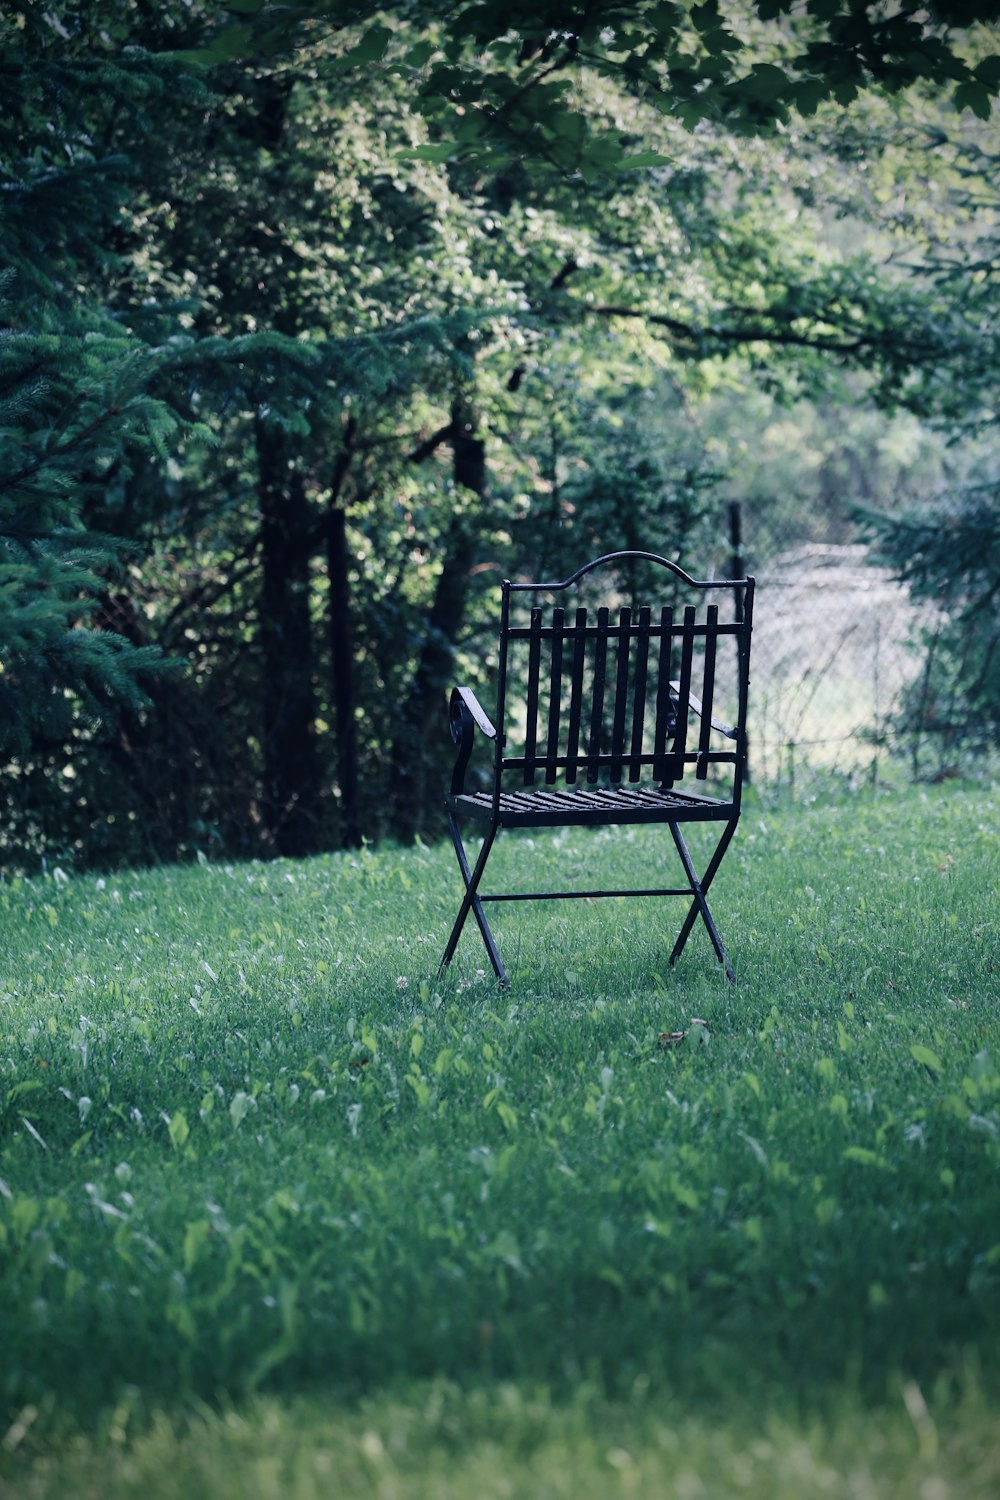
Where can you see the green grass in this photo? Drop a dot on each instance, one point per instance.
(435, 1442)
(276, 1203)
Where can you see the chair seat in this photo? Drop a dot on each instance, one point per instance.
(546, 807)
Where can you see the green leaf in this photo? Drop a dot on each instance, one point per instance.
(506, 1248)
(426, 153)
(974, 96)
(685, 1194)
(240, 1106)
(230, 43)
(24, 1215)
(717, 43)
(928, 1058)
(645, 159)
(599, 154)
(865, 1157)
(566, 125)
(26, 1086)
(766, 81)
(196, 1232)
(845, 91)
(706, 16)
(808, 96)
(417, 56)
(987, 73)
(178, 1129)
(371, 46)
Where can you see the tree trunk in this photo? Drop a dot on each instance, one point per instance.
(423, 721)
(342, 648)
(291, 765)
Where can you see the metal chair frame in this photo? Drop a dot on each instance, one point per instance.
(571, 735)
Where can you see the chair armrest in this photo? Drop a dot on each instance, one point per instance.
(696, 705)
(466, 715)
(482, 720)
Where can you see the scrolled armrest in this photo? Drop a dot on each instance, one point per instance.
(465, 696)
(466, 714)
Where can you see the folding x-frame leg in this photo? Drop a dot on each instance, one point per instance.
(471, 901)
(699, 889)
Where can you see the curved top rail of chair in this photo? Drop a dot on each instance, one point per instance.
(610, 557)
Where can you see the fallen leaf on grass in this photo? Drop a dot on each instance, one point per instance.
(671, 1038)
(697, 1031)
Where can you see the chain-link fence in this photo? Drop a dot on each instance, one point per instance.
(833, 651)
(835, 647)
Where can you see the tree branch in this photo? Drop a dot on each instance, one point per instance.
(754, 335)
(430, 445)
(210, 592)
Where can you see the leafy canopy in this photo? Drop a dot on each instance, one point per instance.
(497, 76)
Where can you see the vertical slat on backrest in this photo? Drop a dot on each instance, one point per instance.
(684, 687)
(531, 729)
(639, 693)
(708, 692)
(576, 695)
(621, 692)
(555, 694)
(597, 702)
(664, 709)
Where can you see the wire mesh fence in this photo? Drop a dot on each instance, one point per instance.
(836, 645)
(834, 648)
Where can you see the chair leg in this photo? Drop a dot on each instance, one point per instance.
(699, 889)
(471, 902)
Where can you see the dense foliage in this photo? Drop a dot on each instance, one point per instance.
(319, 321)
(952, 560)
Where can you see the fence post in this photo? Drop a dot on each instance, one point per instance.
(737, 569)
(736, 563)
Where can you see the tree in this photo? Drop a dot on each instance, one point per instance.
(501, 74)
(468, 337)
(96, 377)
(949, 555)
(76, 410)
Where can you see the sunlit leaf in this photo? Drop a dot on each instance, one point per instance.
(437, 154)
(645, 159)
(240, 1106)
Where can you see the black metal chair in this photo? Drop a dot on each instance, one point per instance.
(600, 709)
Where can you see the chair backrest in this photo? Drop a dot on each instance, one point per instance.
(605, 692)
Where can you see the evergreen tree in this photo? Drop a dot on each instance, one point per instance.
(949, 556)
(73, 410)
(76, 411)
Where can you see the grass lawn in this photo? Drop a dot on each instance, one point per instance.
(281, 1214)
